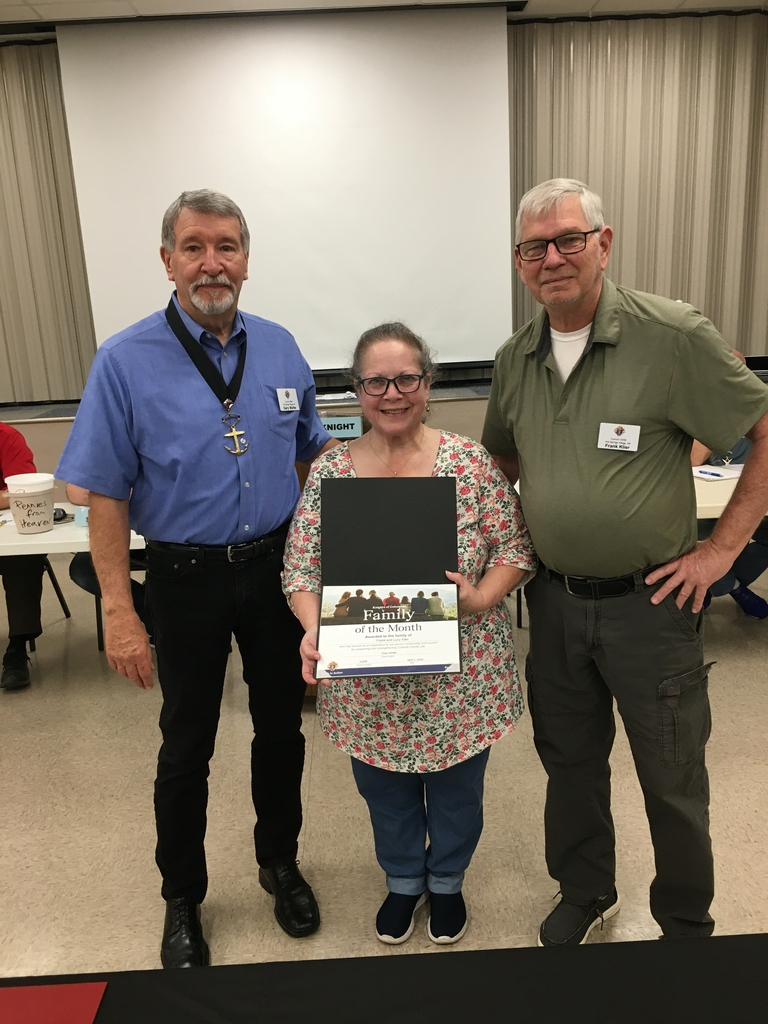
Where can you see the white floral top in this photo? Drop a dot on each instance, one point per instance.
(423, 723)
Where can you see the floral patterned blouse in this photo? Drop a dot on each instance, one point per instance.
(424, 723)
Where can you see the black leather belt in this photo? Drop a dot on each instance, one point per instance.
(265, 545)
(596, 587)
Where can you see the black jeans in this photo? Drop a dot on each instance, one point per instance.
(583, 654)
(23, 583)
(197, 603)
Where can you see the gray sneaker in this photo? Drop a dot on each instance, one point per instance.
(569, 924)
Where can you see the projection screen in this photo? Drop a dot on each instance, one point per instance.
(369, 152)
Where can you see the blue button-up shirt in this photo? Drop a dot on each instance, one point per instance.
(150, 429)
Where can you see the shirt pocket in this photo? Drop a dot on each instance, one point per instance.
(284, 424)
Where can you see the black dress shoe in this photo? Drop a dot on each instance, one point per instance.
(183, 942)
(15, 672)
(296, 908)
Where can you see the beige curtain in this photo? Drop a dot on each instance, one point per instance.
(667, 119)
(46, 332)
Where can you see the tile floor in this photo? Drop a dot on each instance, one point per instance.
(78, 886)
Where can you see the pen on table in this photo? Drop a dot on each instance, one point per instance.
(708, 472)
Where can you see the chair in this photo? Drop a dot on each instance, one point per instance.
(62, 600)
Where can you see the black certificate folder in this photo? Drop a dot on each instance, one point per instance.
(387, 607)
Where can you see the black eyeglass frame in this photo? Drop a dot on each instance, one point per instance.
(551, 241)
(362, 381)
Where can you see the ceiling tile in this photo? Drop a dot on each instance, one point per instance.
(161, 7)
(79, 9)
(708, 5)
(17, 12)
(554, 8)
(634, 6)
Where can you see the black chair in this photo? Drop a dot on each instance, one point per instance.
(62, 600)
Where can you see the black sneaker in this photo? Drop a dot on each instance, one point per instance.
(569, 924)
(397, 916)
(447, 917)
(15, 672)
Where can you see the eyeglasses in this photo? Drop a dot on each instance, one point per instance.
(566, 245)
(405, 384)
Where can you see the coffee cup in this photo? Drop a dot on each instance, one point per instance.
(30, 496)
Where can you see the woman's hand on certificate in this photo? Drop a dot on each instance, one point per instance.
(310, 656)
(495, 583)
(471, 599)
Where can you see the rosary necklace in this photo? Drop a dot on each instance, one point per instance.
(226, 393)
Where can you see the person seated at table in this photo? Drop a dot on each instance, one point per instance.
(419, 604)
(22, 574)
(83, 573)
(392, 600)
(341, 611)
(419, 744)
(435, 605)
(753, 560)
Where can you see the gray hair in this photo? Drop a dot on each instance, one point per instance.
(395, 331)
(204, 201)
(543, 197)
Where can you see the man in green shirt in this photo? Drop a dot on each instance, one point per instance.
(594, 405)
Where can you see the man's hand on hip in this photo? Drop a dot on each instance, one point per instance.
(128, 650)
(694, 572)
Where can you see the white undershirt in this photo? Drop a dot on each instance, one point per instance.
(567, 349)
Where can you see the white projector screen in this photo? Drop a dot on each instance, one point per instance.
(368, 151)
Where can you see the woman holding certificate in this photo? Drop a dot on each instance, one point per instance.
(420, 743)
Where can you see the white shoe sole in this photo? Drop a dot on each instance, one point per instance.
(446, 940)
(391, 940)
(607, 915)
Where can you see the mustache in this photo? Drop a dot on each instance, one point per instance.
(220, 280)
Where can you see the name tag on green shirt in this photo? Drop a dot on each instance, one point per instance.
(621, 437)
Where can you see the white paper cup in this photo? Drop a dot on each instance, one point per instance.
(30, 496)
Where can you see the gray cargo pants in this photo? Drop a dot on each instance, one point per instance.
(585, 652)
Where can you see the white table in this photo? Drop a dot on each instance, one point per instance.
(712, 496)
(63, 537)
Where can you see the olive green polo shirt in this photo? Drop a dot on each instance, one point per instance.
(649, 362)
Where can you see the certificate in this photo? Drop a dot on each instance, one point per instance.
(375, 631)
(387, 607)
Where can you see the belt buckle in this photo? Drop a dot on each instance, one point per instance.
(248, 549)
(568, 586)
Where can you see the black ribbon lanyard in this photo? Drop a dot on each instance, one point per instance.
(226, 393)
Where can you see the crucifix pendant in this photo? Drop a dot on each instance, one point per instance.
(231, 420)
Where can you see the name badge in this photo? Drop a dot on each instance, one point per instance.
(287, 399)
(619, 437)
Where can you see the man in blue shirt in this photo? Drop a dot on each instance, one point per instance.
(188, 431)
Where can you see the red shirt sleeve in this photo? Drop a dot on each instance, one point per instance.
(15, 454)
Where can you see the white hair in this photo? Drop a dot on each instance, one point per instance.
(203, 200)
(549, 193)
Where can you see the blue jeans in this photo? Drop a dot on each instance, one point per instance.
(751, 563)
(406, 807)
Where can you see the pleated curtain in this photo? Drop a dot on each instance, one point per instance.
(667, 119)
(46, 332)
